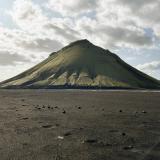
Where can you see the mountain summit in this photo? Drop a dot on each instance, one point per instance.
(82, 65)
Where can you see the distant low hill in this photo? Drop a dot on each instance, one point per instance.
(82, 65)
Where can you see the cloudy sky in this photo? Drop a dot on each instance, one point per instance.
(31, 29)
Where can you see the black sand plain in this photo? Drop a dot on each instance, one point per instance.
(79, 125)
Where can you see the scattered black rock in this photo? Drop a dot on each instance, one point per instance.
(92, 140)
(24, 144)
(103, 109)
(120, 111)
(123, 134)
(79, 107)
(67, 134)
(128, 147)
(47, 126)
(56, 107)
(37, 106)
(24, 105)
(64, 112)
(57, 125)
(144, 112)
(43, 106)
(25, 118)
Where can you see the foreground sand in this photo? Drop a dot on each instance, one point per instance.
(79, 125)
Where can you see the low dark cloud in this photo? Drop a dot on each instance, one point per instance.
(40, 45)
(66, 32)
(7, 58)
(135, 4)
(126, 36)
(73, 7)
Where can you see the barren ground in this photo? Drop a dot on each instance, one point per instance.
(79, 125)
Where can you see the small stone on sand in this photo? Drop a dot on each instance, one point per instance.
(67, 134)
(90, 141)
(47, 126)
(123, 134)
(64, 112)
(127, 147)
(25, 118)
(60, 137)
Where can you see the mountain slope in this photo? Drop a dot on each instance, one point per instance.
(82, 64)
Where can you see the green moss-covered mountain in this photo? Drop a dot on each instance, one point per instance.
(82, 65)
